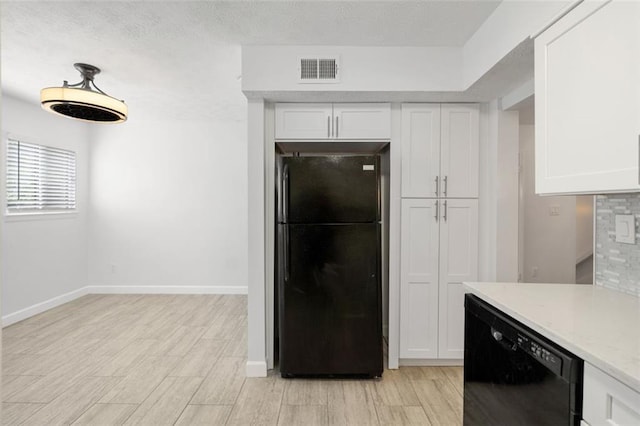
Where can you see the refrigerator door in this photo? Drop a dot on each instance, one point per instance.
(330, 189)
(330, 301)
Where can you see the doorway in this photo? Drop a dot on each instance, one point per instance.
(556, 232)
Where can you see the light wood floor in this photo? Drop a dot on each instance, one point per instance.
(175, 359)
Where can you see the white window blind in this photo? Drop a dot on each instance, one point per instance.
(40, 178)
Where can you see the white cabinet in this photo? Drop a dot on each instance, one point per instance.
(458, 263)
(608, 402)
(440, 150)
(439, 250)
(420, 150)
(439, 226)
(303, 121)
(587, 106)
(332, 121)
(419, 257)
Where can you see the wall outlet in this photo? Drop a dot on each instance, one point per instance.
(113, 268)
(554, 210)
(534, 272)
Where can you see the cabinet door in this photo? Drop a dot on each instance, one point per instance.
(419, 279)
(458, 263)
(303, 121)
(587, 84)
(362, 121)
(608, 402)
(420, 150)
(459, 150)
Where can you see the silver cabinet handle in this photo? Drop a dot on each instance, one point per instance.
(328, 126)
(437, 184)
(337, 126)
(445, 210)
(437, 210)
(445, 185)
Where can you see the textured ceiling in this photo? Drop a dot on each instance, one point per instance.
(184, 56)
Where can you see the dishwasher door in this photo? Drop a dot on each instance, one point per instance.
(513, 375)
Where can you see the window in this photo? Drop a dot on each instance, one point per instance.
(40, 178)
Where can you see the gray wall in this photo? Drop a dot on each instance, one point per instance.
(617, 264)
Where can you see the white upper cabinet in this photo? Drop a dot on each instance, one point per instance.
(420, 150)
(303, 121)
(587, 106)
(362, 121)
(440, 150)
(332, 121)
(459, 150)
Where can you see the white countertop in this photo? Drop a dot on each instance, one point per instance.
(599, 325)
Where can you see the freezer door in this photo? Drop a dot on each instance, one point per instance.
(330, 300)
(331, 189)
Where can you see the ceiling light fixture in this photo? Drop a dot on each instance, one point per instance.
(84, 101)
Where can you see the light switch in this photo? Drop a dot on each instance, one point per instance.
(625, 228)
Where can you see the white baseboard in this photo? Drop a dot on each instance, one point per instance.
(430, 362)
(38, 308)
(256, 369)
(166, 289)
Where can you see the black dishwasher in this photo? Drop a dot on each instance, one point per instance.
(515, 376)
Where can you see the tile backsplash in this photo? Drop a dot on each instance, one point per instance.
(617, 264)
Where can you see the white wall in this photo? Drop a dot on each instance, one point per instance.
(386, 69)
(43, 257)
(487, 197)
(257, 225)
(168, 208)
(377, 69)
(498, 201)
(511, 23)
(507, 200)
(584, 227)
(549, 241)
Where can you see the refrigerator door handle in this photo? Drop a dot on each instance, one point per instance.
(437, 210)
(285, 253)
(285, 193)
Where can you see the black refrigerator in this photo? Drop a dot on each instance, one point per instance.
(328, 266)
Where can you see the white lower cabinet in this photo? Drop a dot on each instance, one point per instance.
(607, 401)
(439, 250)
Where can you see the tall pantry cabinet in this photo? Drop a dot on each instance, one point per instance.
(439, 226)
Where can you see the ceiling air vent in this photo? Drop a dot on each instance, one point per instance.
(318, 70)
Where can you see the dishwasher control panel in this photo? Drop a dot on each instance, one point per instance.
(540, 352)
